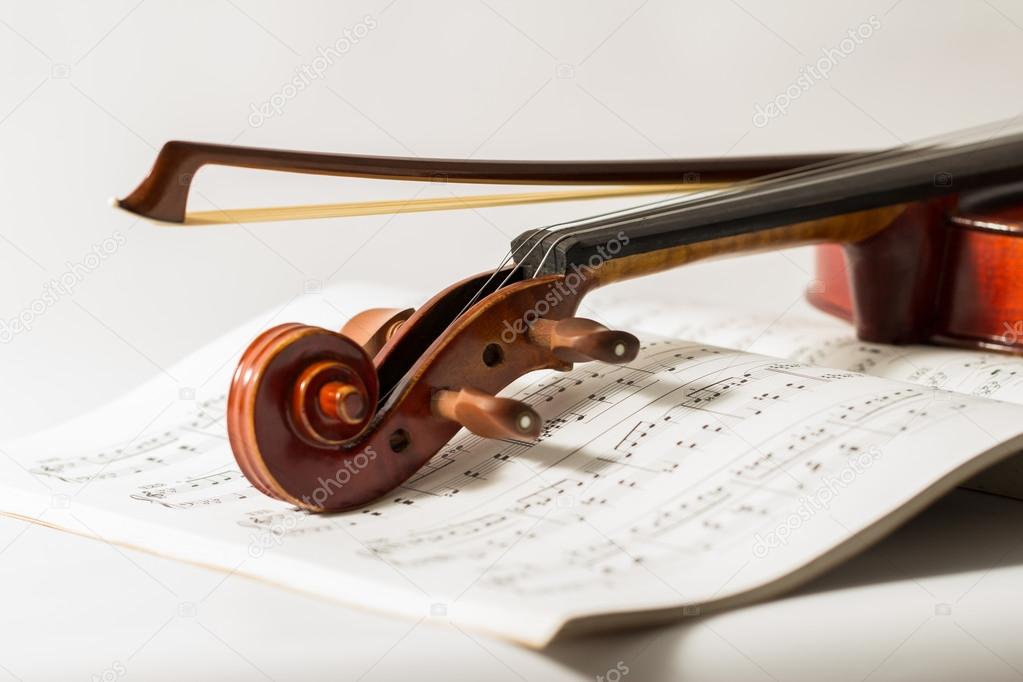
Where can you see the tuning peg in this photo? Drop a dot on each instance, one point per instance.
(340, 400)
(373, 327)
(576, 339)
(486, 415)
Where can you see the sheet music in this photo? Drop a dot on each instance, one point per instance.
(692, 476)
(808, 335)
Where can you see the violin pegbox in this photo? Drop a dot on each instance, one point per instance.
(306, 418)
(568, 340)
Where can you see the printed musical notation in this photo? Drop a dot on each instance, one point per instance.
(708, 446)
(671, 462)
(195, 492)
(692, 474)
(811, 337)
(201, 433)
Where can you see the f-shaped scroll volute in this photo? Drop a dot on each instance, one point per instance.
(576, 339)
(486, 415)
(373, 327)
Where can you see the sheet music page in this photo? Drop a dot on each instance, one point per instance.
(692, 477)
(808, 335)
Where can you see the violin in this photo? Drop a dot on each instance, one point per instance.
(919, 247)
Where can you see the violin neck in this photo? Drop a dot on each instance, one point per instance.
(845, 228)
(845, 201)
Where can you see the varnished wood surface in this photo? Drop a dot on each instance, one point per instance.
(163, 194)
(977, 295)
(845, 228)
(407, 431)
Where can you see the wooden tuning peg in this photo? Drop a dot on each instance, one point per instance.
(486, 415)
(343, 401)
(576, 339)
(373, 327)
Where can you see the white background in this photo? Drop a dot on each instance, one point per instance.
(88, 93)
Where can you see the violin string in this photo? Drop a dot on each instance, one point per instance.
(698, 197)
(504, 261)
(483, 287)
(688, 201)
(937, 143)
(701, 198)
(511, 252)
(772, 182)
(785, 179)
(706, 197)
(566, 228)
(508, 256)
(536, 244)
(739, 189)
(829, 164)
(766, 183)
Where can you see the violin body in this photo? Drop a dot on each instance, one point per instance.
(948, 272)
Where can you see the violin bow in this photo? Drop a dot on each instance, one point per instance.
(163, 195)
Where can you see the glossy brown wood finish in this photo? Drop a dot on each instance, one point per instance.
(845, 228)
(372, 328)
(480, 351)
(487, 415)
(163, 194)
(407, 431)
(304, 417)
(576, 339)
(940, 275)
(830, 290)
(916, 276)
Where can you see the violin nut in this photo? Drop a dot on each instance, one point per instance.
(577, 339)
(486, 415)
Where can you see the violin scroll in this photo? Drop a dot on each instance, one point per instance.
(323, 384)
